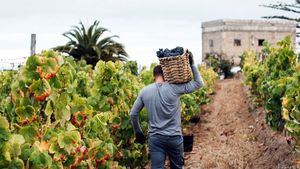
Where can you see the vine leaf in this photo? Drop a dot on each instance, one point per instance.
(25, 112)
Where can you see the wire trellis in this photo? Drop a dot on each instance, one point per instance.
(12, 63)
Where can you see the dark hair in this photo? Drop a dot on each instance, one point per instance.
(157, 71)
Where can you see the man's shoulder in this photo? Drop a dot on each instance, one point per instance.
(148, 87)
(153, 86)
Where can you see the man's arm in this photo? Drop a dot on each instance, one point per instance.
(192, 85)
(134, 115)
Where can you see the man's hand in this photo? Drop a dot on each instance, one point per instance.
(140, 138)
(191, 58)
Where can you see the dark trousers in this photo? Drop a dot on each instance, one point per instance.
(161, 146)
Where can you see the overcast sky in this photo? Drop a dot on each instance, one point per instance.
(143, 26)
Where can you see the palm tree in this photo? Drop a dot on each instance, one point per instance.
(90, 46)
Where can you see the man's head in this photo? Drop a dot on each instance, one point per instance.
(158, 74)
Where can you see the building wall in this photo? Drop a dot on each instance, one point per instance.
(249, 40)
(217, 38)
(223, 33)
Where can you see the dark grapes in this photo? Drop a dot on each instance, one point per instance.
(169, 53)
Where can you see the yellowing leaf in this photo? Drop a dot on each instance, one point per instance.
(25, 112)
(3, 123)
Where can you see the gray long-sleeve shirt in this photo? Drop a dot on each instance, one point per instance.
(162, 102)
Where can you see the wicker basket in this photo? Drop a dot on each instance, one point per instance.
(176, 69)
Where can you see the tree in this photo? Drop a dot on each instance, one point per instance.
(292, 8)
(89, 45)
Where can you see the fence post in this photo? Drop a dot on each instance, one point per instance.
(33, 44)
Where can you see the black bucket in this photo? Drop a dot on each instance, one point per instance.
(195, 119)
(188, 141)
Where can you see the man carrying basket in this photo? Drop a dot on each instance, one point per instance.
(162, 102)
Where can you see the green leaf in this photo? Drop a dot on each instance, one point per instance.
(69, 140)
(6, 151)
(48, 109)
(64, 99)
(70, 127)
(57, 151)
(16, 164)
(40, 87)
(63, 114)
(25, 112)
(15, 142)
(32, 62)
(40, 160)
(26, 151)
(29, 133)
(17, 139)
(3, 122)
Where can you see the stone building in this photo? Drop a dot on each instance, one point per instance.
(229, 38)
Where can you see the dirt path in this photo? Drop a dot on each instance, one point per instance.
(231, 135)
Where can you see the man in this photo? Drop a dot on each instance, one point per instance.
(162, 102)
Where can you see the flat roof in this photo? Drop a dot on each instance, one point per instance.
(248, 25)
(247, 21)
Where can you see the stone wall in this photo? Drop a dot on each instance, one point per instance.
(248, 32)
